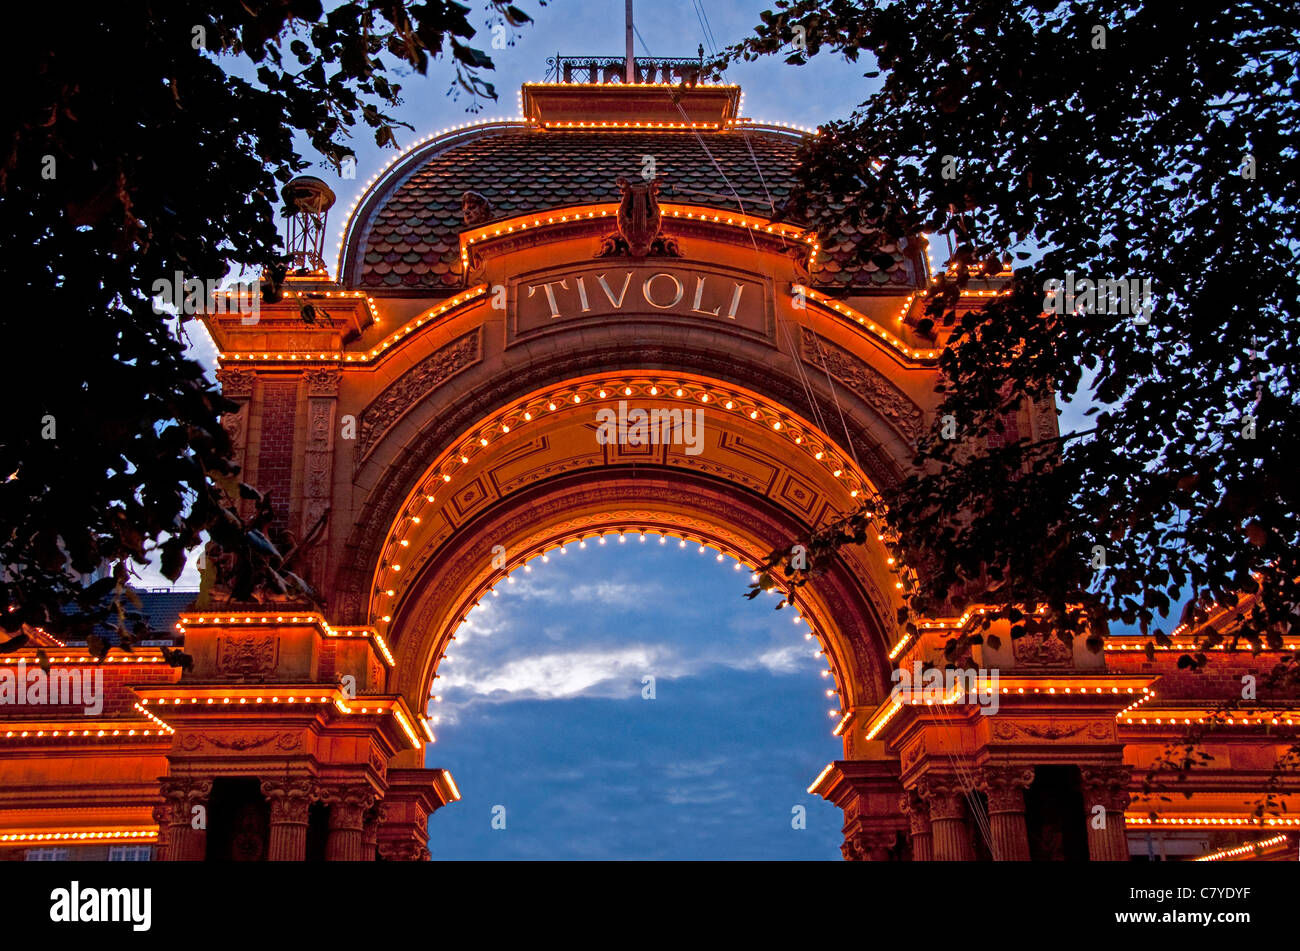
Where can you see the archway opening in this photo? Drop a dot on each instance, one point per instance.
(618, 697)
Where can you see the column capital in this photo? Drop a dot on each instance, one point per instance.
(946, 798)
(290, 799)
(407, 851)
(1005, 786)
(875, 844)
(185, 789)
(917, 811)
(348, 804)
(1107, 785)
(180, 795)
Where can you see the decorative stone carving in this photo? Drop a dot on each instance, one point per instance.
(234, 425)
(403, 852)
(1007, 730)
(948, 829)
(1052, 731)
(236, 384)
(1038, 650)
(240, 743)
(639, 221)
(475, 209)
(912, 754)
(1046, 425)
(1005, 786)
(244, 655)
(946, 799)
(412, 386)
(319, 425)
(874, 845)
(323, 381)
(917, 811)
(1102, 729)
(865, 381)
(180, 796)
(348, 805)
(318, 474)
(290, 799)
(1107, 786)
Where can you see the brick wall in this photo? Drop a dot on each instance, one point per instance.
(1219, 679)
(118, 698)
(275, 448)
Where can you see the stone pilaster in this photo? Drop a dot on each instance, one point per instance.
(290, 801)
(318, 465)
(1005, 787)
(1107, 787)
(237, 386)
(348, 808)
(947, 801)
(185, 830)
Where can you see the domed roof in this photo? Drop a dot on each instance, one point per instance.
(406, 234)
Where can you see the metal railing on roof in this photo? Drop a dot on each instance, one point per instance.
(595, 70)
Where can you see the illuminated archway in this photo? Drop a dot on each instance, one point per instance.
(761, 477)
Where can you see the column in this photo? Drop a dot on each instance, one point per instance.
(348, 807)
(947, 801)
(917, 811)
(184, 810)
(290, 801)
(1005, 787)
(370, 831)
(1107, 787)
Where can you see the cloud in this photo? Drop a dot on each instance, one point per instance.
(620, 593)
(560, 675)
(693, 768)
(788, 659)
(700, 794)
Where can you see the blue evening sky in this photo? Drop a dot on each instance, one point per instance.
(543, 712)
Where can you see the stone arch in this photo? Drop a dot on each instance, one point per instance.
(438, 416)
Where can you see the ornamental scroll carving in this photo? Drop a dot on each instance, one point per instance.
(1006, 730)
(408, 389)
(290, 799)
(323, 381)
(865, 381)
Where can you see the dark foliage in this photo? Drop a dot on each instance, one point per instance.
(130, 154)
(1114, 140)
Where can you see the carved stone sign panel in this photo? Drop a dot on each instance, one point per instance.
(731, 300)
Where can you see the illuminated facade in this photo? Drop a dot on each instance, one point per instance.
(433, 426)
